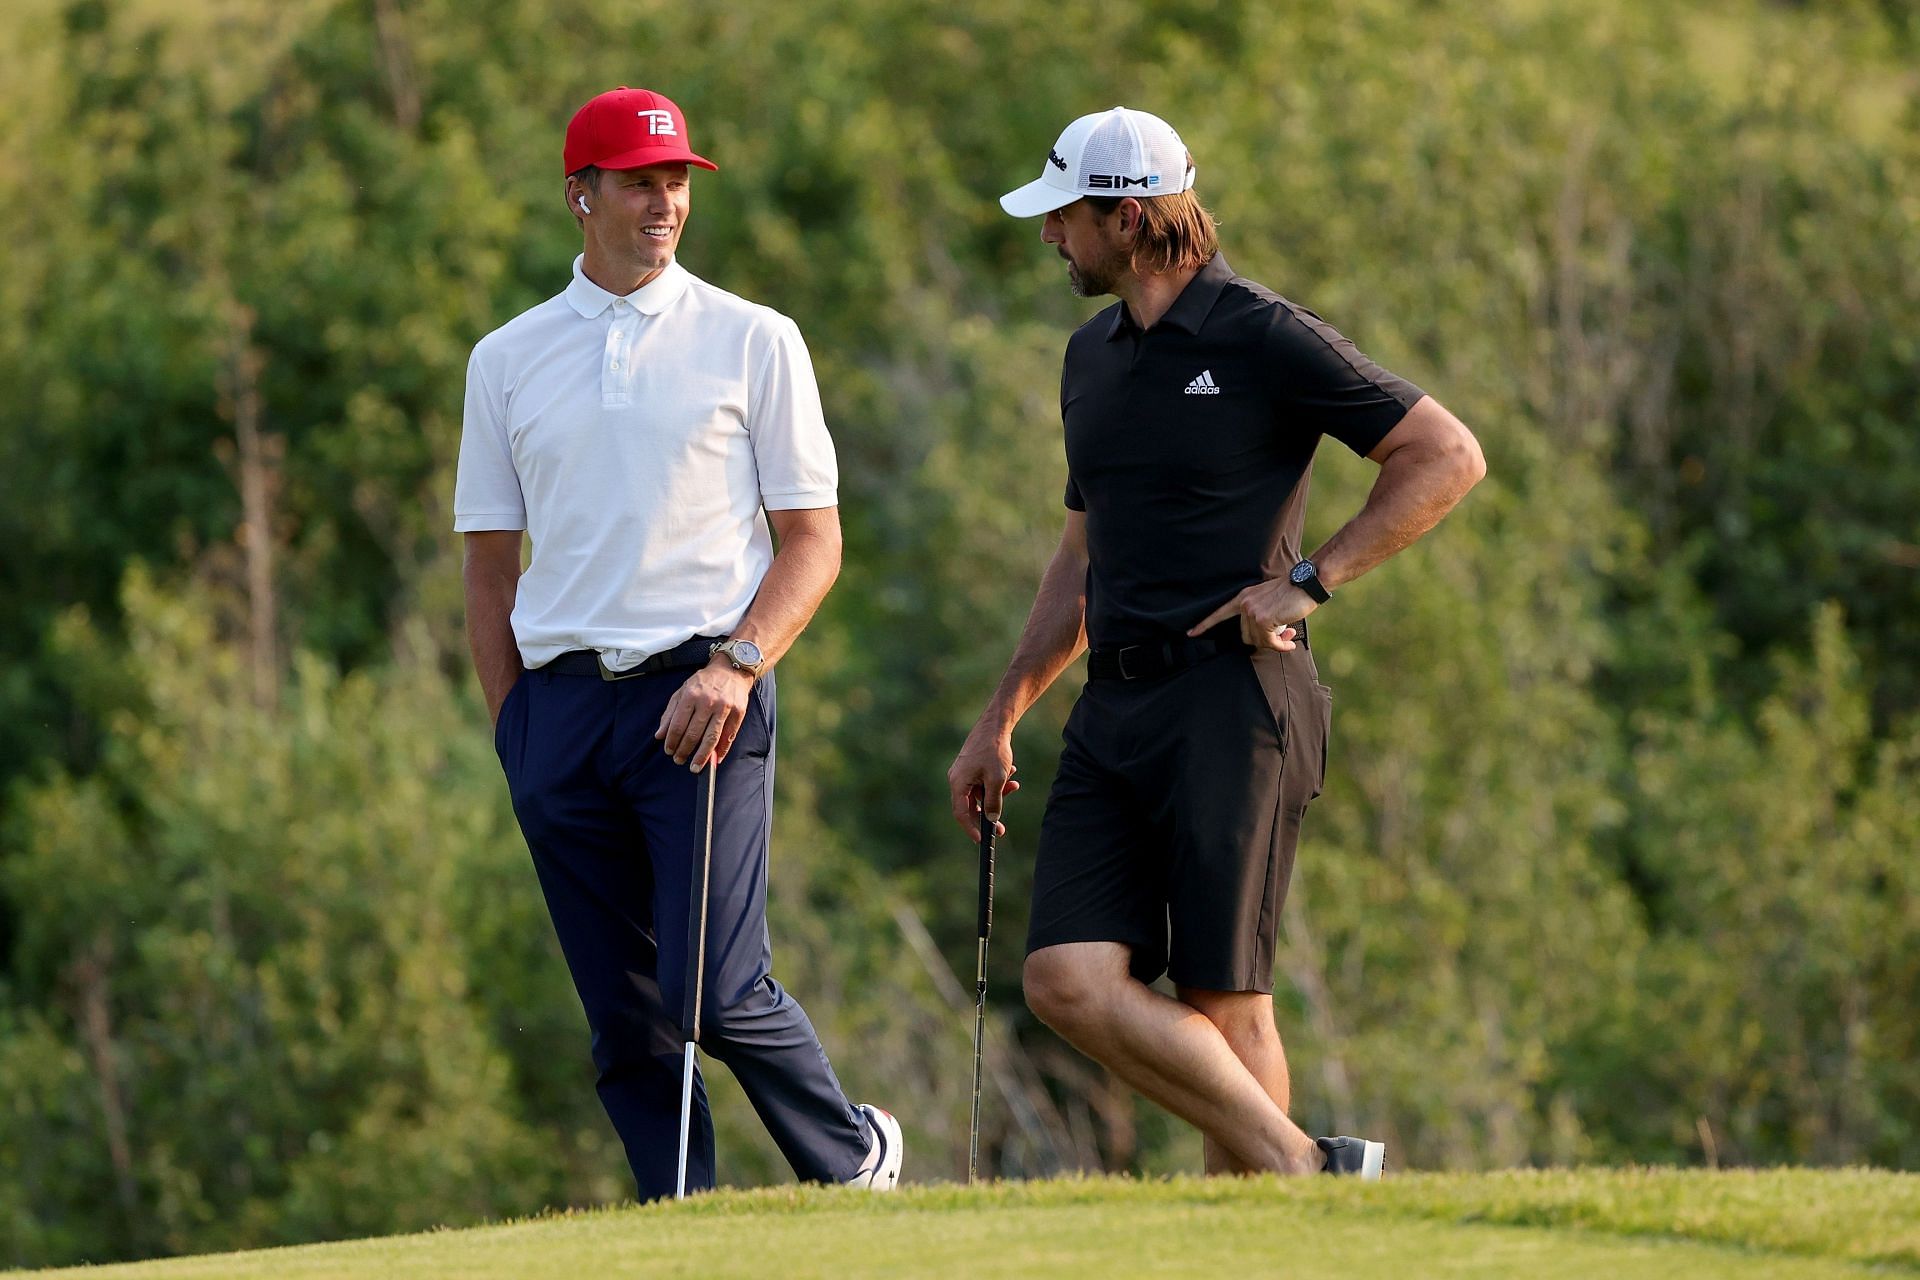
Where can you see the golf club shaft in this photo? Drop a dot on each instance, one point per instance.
(698, 980)
(686, 1116)
(980, 986)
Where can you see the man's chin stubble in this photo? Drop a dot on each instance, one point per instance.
(1084, 287)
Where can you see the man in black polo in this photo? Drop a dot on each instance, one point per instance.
(1192, 409)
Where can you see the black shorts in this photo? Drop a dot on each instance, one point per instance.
(1173, 820)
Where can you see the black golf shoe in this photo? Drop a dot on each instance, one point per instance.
(1355, 1157)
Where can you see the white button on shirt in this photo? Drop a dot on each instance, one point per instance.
(642, 488)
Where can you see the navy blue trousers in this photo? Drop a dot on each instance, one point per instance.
(614, 826)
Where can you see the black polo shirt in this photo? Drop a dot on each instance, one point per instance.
(1189, 444)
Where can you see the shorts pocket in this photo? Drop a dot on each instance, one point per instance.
(1270, 679)
(1323, 711)
(1301, 711)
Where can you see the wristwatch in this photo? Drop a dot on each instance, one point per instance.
(1306, 576)
(745, 656)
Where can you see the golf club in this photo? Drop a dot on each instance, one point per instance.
(696, 982)
(980, 981)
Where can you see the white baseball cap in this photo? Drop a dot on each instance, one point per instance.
(1111, 153)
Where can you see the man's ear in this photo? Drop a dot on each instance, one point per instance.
(1130, 215)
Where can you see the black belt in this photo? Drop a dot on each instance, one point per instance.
(1150, 661)
(586, 662)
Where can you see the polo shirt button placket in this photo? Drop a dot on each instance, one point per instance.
(615, 381)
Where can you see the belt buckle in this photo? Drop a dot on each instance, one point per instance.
(608, 674)
(1120, 660)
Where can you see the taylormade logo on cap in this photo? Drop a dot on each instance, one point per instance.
(1112, 153)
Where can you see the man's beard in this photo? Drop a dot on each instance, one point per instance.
(1096, 279)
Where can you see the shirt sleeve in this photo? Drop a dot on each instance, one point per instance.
(1073, 499)
(792, 452)
(486, 488)
(1328, 385)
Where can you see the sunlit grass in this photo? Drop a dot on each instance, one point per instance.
(1616, 1223)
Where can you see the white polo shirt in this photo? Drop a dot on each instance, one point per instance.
(637, 440)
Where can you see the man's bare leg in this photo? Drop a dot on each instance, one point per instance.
(1167, 1049)
(1245, 1020)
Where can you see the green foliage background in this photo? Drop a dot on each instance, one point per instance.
(1617, 858)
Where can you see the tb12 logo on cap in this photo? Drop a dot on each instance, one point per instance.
(1120, 182)
(659, 122)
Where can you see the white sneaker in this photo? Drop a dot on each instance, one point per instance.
(880, 1171)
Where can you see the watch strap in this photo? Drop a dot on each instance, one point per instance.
(1309, 582)
(731, 648)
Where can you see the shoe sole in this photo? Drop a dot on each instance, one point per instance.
(1373, 1161)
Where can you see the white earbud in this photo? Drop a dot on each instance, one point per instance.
(582, 202)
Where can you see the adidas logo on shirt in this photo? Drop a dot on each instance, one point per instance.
(1204, 385)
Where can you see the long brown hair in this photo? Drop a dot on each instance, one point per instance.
(1176, 232)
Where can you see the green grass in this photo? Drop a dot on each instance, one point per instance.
(1786, 1223)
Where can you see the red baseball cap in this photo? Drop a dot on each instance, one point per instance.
(629, 129)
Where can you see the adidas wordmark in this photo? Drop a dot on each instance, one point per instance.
(1204, 385)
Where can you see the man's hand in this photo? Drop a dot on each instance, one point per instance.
(983, 768)
(1265, 610)
(705, 713)
(490, 569)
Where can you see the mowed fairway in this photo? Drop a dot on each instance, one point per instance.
(1613, 1224)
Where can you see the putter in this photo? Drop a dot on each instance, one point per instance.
(980, 981)
(696, 981)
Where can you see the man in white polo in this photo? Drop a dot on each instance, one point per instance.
(637, 426)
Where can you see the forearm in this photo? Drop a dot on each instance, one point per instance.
(496, 657)
(1053, 637)
(1416, 487)
(802, 572)
(982, 774)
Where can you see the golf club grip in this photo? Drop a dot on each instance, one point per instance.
(986, 876)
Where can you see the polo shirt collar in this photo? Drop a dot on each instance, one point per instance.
(651, 298)
(1189, 310)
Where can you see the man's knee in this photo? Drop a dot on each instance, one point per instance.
(1067, 987)
(750, 1019)
(1244, 1018)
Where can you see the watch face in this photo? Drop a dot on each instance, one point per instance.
(746, 653)
(1301, 572)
